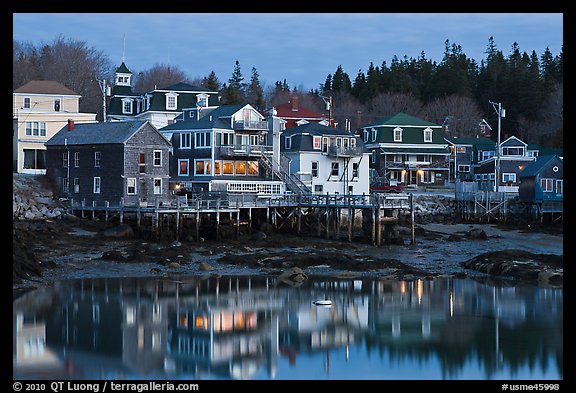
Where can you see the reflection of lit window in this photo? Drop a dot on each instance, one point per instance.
(96, 313)
(140, 337)
(130, 315)
(239, 321)
(156, 312)
(156, 344)
(183, 321)
(201, 322)
(251, 321)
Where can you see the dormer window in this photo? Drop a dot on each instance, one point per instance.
(365, 135)
(374, 133)
(202, 100)
(398, 134)
(171, 101)
(127, 106)
(288, 143)
(301, 122)
(322, 122)
(427, 134)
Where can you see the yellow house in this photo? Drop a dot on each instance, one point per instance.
(40, 110)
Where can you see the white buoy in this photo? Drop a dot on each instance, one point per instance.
(324, 302)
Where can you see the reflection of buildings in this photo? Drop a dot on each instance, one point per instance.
(31, 356)
(245, 327)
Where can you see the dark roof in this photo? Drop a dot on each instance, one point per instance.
(182, 86)
(210, 119)
(471, 141)
(123, 69)
(402, 119)
(537, 165)
(45, 87)
(316, 129)
(96, 133)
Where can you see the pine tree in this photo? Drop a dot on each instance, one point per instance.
(235, 92)
(255, 92)
(211, 82)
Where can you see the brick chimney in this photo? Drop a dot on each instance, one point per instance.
(358, 119)
(294, 102)
(70, 124)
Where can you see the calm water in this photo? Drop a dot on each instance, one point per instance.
(262, 328)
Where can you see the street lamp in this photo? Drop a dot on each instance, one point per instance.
(501, 112)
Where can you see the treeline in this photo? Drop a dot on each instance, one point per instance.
(455, 92)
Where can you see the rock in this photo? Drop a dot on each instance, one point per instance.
(113, 255)
(476, 234)
(155, 270)
(293, 275)
(258, 236)
(205, 267)
(173, 265)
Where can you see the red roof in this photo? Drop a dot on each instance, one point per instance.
(292, 112)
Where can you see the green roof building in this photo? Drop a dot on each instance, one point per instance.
(159, 106)
(407, 149)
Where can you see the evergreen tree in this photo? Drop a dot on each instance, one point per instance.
(328, 83)
(235, 92)
(255, 92)
(211, 82)
(341, 81)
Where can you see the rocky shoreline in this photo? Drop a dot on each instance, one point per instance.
(51, 244)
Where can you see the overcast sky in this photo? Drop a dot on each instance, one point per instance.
(302, 48)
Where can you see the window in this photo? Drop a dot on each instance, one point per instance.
(335, 169)
(97, 185)
(65, 160)
(559, 186)
(97, 156)
(319, 188)
(314, 168)
(252, 168)
(288, 143)
(157, 158)
(325, 145)
(351, 190)
(463, 168)
(171, 101)
(185, 140)
(240, 167)
(352, 142)
(427, 134)
(217, 167)
(36, 128)
(77, 159)
(365, 135)
(397, 134)
(142, 162)
(317, 142)
(547, 185)
(202, 139)
(355, 167)
(157, 186)
(509, 177)
(126, 106)
(183, 167)
(65, 184)
(460, 149)
(397, 157)
(374, 134)
(57, 104)
(202, 167)
(512, 151)
(131, 186)
(202, 100)
(26, 102)
(228, 167)
(76, 185)
(374, 155)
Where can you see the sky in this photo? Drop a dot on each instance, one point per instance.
(302, 48)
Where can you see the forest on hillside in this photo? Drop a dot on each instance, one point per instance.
(456, 92)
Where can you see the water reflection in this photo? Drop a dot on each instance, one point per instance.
(261, 328)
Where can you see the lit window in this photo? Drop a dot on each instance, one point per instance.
(317, 142)
(183, 168)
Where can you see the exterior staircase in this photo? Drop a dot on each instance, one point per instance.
(293, 183)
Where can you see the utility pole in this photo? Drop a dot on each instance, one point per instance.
(328, 102)
(501, 112)
(104, 88)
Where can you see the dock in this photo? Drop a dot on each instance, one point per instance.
(329, 215)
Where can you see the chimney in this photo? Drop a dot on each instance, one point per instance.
(294, 102)
(358, 119)
(70, 124)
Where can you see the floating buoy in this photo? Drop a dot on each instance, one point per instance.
(324, 302)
